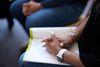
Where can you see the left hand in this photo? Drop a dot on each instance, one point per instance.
(52, 45)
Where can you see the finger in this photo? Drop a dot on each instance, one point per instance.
(25, 4)
(46, 39)
(26, 10)
(59, 39)
(27, 13)
(53, 35)
(44, 45)
(26, 7)
(64, 43)
(47, 44)
(61, 44)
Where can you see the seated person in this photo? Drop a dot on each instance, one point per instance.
(47, 13)
(88, 41)
(5, 13)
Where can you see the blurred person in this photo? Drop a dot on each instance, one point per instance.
(47, 13)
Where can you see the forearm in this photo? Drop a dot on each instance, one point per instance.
(74, 35)
(73, 59)
(81, 26)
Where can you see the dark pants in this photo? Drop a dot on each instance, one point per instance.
(47, 17)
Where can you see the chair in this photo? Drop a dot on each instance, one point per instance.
(5, 13)
(84, 14)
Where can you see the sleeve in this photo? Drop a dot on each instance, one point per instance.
(89, 60)
(55, 3)
(92, 59)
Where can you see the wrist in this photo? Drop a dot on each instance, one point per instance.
(60, 55)
(57, 50)
(74, 35)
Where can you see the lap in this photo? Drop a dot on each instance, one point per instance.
(34, 64)
(18, 3)
(54, 16)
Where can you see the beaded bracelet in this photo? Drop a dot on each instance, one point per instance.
(74, 34)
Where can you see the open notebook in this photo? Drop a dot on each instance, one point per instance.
(37, 53)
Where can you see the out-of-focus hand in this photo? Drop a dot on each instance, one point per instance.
(52, 44)
(31, 7)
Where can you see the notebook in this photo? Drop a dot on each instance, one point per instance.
(37, 53)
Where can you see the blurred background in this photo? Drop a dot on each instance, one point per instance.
(10, 43)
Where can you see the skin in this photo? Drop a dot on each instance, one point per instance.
(53, 46)
(31, 7)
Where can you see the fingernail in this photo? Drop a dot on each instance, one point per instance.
(61, 44)
(43, 39)
(43, 44)
(52, 35)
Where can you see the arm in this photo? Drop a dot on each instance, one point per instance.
(70, 39)
(80, 27)
(75, 34)
(52, 46)
(70, 57)
(73, 59)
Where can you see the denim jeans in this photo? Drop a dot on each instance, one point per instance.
(47, 17)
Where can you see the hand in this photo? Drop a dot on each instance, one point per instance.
(52, 45)
(31, 7)
(66, 42)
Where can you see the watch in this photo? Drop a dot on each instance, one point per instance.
(61, 54)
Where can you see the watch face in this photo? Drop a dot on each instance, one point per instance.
(59, 59)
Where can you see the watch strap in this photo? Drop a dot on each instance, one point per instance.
(60, 54)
